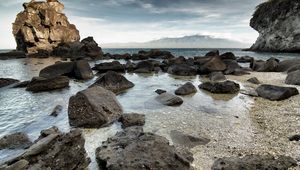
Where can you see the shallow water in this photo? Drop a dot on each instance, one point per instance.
(217, 117)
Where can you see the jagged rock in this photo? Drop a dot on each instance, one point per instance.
(276, 92)
(94, 107)
(15, 141)
(140, 150)
(114, 82)
(186, 89)
(277, 24)
(42, 26)
(253, 80)
(214, 64)
(187, 140)
(216, 76)
(285, 65)
(144, 67)
(7, 81)
(56, 111)
(132, 119)
(169, 99)
(110, 66)
(251, 162)
(225, 87)
(182, 70)
(232, 66)
(39, 84)
(82, 70)
(293, 78)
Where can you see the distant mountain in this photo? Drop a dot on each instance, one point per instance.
(194, 41)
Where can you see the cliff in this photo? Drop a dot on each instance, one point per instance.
(42, 26)
(278, 24)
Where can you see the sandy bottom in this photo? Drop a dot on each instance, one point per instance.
(271, 123)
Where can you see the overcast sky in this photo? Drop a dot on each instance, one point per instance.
(112, 21)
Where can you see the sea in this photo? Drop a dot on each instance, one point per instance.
(203, 113)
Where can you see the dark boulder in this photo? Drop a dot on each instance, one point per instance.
(157, 54)
(144, 67)
(94, 107)
(114, 82)
(245, 59)
(58, 69)
(12, 55)
(216, 76)
(201, 60)
(293, 78)
(15, 141)
(56, 111)
(91, 48)
(121, 56)
(182, 70)
(160, 91)
(110, 66)
(251, 162)
(253, 80)
(177, 60)
(132, 119)
(186, 89)
(268, 66)
(228, 56)
(135, 149)
(169, 99)
(7, 81)
(212, 53)
(294, 68)
(213, 65)
(285, 65)
(39, 84)
(82, 70)
(294, 138)
(22, 84)
(257, 65)
(232, 66)
(225, 87)
(278, 93)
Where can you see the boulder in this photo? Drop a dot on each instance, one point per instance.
(94, 107)
(7, 81)
(132, 119)
(110, 66)
(213, 65)
(245, 59)
(156, 54)
(169, 99)
(17, 140)
(232, 66)
(82, 70)
(285, 65)
(12, 55)
(278, 93)
(250, 162)
(39, 84)
(177, 60)
(253, 80)
(42, 26)
(225, 87)
(293, 78)
(141, 150)
(216, 76)
(91, 49)
(114, 82)
(144, 67)
(160, 91)
(121, 56)
(294, 68)
(228, 56)
(294, 138)
(269, 66)
(182, 70)
(186, 89)
(212, 53)
(58, 69)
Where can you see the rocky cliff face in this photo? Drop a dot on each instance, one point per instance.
(278, 24)
(42, 26)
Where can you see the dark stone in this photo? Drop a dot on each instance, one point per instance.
(7, 81)
(56, 111)
(39, 84)
(186, 89)
(251, 162)
(216, 76)
(111, 66)
(94, 107)
(114, 82)
(245, 59)
(276, 92)
(212, 53)
(187, 140)
(91, 48)
(169, 99)
(160, 91)
(15, 141)
(156, 54)
(285, 65)
(12, 55)
(144, 67)
(293, 78)
(132, 119)
(177, 60)
(22, 84)
(229, 87)
(294, 68)
(265, 66)
(254, 80)
(135, 149)
(213, 65)
(228, 56)
(182, 70)
(231, 66)
(294, 138)
(58, 69)
(121, 56)
(82, 70)
(201, 60)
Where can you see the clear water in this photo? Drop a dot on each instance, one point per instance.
(201, 113)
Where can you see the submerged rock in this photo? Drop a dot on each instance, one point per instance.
(187, 140)
(251, 162)
(293, 78)
(169, 99)
(56, 111)
(7, 81)
(39, 84)
(15, 141)
(272, 92)
(160, 91)
(135, 149)
(94, 107)
(186, 89)
(114, 82)
(225, 87)
(277, 23)
(132, 119)
(42, 26)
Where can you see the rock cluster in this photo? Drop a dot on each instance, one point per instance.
(42, 26)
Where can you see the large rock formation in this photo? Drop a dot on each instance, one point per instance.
(42, 26)
(277, 22)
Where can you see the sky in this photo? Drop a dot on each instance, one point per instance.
(121, 21)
